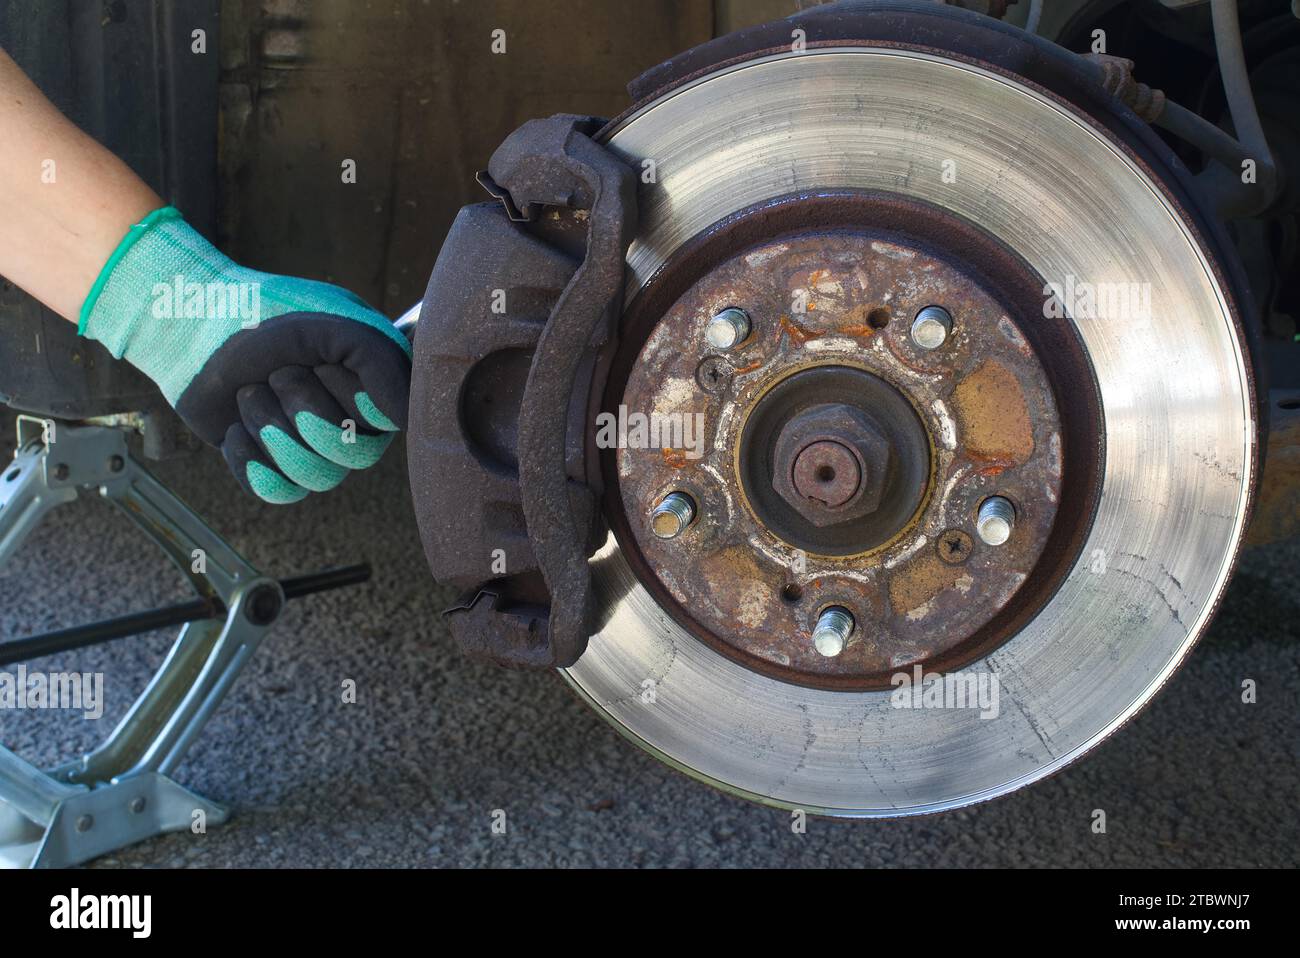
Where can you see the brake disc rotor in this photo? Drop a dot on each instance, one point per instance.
(1167, 390)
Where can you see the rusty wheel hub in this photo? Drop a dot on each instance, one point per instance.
(840, 463)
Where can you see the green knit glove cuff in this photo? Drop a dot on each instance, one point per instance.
(167, 299)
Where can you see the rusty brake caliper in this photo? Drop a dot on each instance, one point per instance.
(516, 326)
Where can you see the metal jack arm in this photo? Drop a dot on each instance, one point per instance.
(120, 792)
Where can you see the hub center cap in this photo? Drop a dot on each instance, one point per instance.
(834, 460)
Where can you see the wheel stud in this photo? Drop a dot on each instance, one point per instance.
(672, 515)
(728, 328)
(931, 327)
(996, 518)
(834, 626)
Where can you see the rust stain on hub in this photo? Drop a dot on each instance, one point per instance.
(993, 415)
(739, 590)
(675, 457)
(920, 581)
(798, 334)
(858, 321)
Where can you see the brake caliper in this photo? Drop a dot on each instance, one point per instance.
(518, 318)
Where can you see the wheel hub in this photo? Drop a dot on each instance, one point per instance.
(843, 459)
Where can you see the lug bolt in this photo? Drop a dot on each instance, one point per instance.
(673, 514)
(834, 626)
(728, 328)
(996, 518)
(931, 327)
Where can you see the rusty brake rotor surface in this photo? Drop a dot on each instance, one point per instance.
(920, 451)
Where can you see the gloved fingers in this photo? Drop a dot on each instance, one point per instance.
(324, 425)
(366, 362)
(248, 463)
(385, 411)
(384, 374)
(270, 428)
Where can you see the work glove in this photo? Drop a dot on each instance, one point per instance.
(298, 382)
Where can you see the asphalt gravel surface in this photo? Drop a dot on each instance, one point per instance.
(412, 773)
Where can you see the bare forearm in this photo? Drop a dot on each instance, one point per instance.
(65, 201)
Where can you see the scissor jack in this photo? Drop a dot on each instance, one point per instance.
(121, 792)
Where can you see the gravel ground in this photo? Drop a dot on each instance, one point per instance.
(410, 774)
